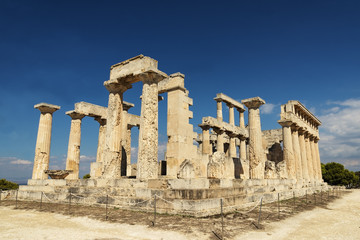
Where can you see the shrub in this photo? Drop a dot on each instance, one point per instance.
(86, 176)
(4, 184)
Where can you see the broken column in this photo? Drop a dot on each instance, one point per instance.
(73, 155)
(256, 152)
(43, 141)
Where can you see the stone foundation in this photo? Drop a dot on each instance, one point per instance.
(194, 197)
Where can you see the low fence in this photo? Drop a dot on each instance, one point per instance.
(281, 207)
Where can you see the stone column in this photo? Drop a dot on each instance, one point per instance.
(242, 150)
(220, 139)
(288, 152)
(316, 140)
(309, 156)
(96, 167)
(206, 146)
(128, 150)
(297, 152)
(256, 152)
(43, 141)
(147, 166)
(219, 114)
(112, 151)
(314, 158)
(304, 164)
(73, 155)
(232, 146)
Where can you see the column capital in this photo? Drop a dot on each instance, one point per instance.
(301, 131)
(46, 107)
(75, 115)
(114, 86)
(240, 110)
(285, 123)
(316, 139)
(295, 127)
(219, 131)
(101, 121)
(204, 127)
(229, 105)
(253, 103)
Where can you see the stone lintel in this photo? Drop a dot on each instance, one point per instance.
(254, 102)
(136, 64)
(223, 126)
(220, 97)
(91, 110)
(114, 86)
(46, 107)
(174, 82)
(75, 115)
(305, 111)
(133, 120)
(289, 116)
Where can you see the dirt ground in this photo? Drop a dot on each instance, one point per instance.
(323, 216)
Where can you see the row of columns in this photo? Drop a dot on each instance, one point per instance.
(301, 152)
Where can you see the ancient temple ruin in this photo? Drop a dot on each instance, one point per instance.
(232, 161)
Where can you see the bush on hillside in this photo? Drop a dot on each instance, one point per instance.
(5, 185)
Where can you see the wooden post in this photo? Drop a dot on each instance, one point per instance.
(41, 200)
(16, 202)
(279, 205)
(222, 219)
(154, 209)
(260, 211)
(106, 207)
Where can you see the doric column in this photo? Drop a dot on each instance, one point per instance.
(309, 156)
(314, 157)
(297, 152)
(304, 164)
(220, 139)
(256, 151)
(73, 155)
(206, 146)
(96, 167)
(242, 150)
(232, 146)
(316, 140)
(112, 151)
(288, 152)
(128, 149)
(241, 118)
(219, 114)
(43, 141)
(147, 166)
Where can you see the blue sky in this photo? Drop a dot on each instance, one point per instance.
(60, 52)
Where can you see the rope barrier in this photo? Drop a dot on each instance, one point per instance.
(257, 204)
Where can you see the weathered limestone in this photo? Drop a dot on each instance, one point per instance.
(309, 157)
(304, 162)
(297, 152)
(43, 141)
(288, 149)
(73, 155)
(220, 139)
(206, 146)
(314, 158)
(96, 167)
(219, 114)
(148, 136)
(319, 173)
(256, 152)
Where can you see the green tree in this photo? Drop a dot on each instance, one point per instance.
(4, 184)
(335, 174)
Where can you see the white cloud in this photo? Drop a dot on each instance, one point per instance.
(267, 108)
(14, 160)
(340, 133)
(87, 158)
(21, 162)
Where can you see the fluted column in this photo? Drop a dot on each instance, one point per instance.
(318, 158)
(314, 158)
(256, 152)
(128, 150)
(112, 151)
(206, 146)
(297, 152)
(43, 141)
(309, 156)
(73, 155)
(147, 166)
(304, 164)
(288, 152)
(242, 150)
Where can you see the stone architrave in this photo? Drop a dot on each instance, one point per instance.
(147, 166)
(309, 156)
(96, 167)
(288, 154)
(304, 162)
(73, 155)
(256, 152)
(112, 150)
(297, 152)
(43, 141)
